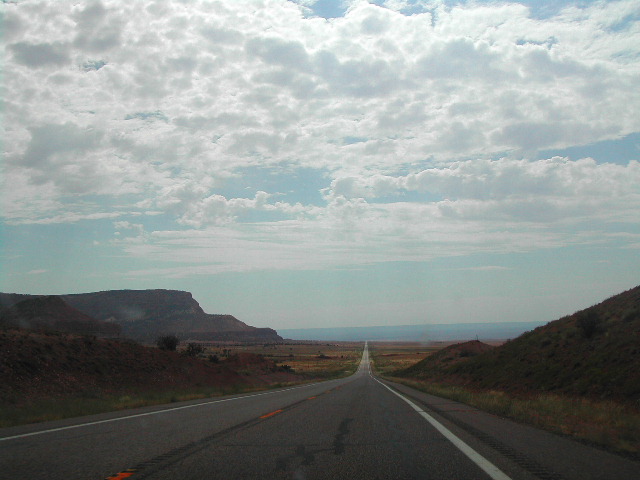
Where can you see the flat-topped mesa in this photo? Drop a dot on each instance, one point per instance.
(145, 315)
(135, 305)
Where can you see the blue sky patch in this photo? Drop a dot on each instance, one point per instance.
(291, 184)
(93, 65)
(618, 151)
(157, 115)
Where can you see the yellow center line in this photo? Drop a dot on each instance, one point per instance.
(125, 474)
(271, 414)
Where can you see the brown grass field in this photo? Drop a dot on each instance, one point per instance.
(312, 360)
(392, 356)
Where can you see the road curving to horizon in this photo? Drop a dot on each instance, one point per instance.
(359, 427)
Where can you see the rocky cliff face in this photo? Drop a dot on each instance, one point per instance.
(146, 314)
(135, 305)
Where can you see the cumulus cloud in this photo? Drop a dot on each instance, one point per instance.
(217, 209)
(97, 29)
(426, 117)
(39, 54)
(516, 190)
(53, 140)
(496, 179)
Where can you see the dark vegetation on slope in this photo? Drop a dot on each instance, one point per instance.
(43, 365)
(51, 350)
(594, 352)
(442, 360)
(51, 313)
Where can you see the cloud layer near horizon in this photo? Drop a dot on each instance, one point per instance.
(420, 133)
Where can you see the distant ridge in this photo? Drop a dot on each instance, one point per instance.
(415, 333)
(144, 315)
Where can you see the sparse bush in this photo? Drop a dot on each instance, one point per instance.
(168, 342)
(193, 350)
(214, 359)
(589, 323)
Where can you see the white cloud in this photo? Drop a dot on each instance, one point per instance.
(40, 54)
(118, 108)
(496, 179)
(219, 210)
(125, 226)
(37, 271)
(62, 141)
(97, 29)
(486, 268)
(349, 235)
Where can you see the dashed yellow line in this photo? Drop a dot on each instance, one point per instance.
(132, 471)
(125, 474)
(271, 414)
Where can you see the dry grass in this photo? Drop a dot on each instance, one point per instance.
(311, 360)
(47, 409)
(392, 356)
(605, 423)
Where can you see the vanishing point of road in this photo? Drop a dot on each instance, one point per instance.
(358, 427)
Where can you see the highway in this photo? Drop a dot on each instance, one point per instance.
(353, 428)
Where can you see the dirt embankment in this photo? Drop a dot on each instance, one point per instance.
(36, 365)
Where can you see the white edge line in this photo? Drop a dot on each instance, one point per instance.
(41, 432)
(489, 468)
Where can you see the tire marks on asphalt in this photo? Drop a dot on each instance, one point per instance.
(148, 467)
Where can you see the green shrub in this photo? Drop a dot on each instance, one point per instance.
(168, 342)
(589, 322)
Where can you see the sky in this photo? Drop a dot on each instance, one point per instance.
(324, 163)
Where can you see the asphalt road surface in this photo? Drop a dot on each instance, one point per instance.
(352, 428)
